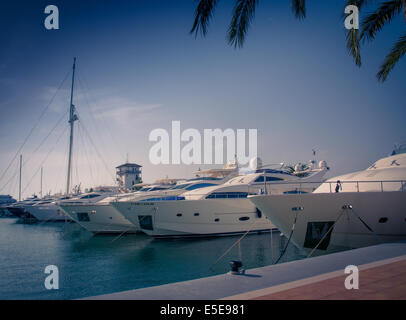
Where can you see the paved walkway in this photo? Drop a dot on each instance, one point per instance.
(381, 280)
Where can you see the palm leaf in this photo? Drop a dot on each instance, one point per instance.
(203, 14)
(353, 45)
(242, 16)
(398, 50)
(374, 22)
(352, 36)
(404, 9)
(299, 8)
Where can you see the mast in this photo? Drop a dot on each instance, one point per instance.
(40, 190)
(72, 119)
(19, 184)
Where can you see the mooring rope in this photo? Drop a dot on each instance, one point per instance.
(325, 235)
(234, 244)
(290, 236)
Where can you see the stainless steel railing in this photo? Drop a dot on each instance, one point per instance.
(280, 187)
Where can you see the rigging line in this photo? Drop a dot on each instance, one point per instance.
(15, 182)
(49, 133)
(106, 124)
(35, 125)
(93, 119)
(11, 178)
(46, 157)
(97, 152)
(38, 147)
(80, 134)
(60, 172)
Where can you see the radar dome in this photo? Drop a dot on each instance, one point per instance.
(323, 164)
(255, 163)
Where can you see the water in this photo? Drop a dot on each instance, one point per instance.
(93, 265)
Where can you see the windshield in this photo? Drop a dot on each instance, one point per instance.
(181, 186)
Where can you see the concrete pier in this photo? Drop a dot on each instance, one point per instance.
(382, 275)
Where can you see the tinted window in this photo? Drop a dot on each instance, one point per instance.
(199, 185)
(294, 192)
(83, 216)
(227, 195)
(146, 222)
(268, 179)
(90, 196)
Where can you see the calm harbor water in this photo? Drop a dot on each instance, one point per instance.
(93, 265)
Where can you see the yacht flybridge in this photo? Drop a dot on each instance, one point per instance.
(218, 210)
(354, 210)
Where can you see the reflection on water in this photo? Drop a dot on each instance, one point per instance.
(92, 265)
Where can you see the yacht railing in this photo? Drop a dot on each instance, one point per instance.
(341, 186)
(288, 187)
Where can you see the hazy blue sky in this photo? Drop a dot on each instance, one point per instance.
(139, 69)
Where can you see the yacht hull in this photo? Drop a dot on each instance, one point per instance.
(48, 213)
(20, 212)
(355, 219)
(99, 218)
(195, 218)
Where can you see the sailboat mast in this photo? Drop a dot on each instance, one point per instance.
(40, 190)
(72, 119)
(19, 184)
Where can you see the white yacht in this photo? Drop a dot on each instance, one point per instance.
(5, 201)
(46, 210)
(19, 209)
(100, 217)
(220, 210)
(354, 210)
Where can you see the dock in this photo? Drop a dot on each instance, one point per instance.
(382, 275)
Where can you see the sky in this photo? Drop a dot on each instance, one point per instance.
(139, 69)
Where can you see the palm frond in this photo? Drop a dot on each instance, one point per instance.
(299, 8)
(374, 22)
(398, 50)
(352, 36)
(243, 14)
(203, 14)
(404, 9)
(353, 45)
